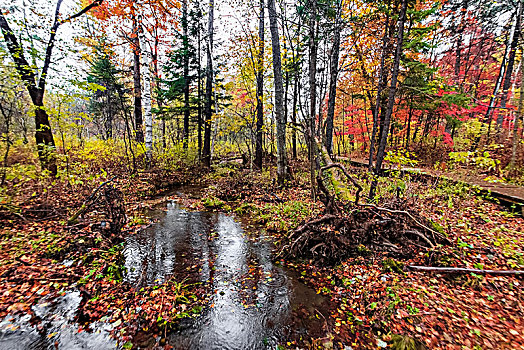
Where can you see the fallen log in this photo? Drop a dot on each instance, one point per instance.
(328, 167)
(466, 270)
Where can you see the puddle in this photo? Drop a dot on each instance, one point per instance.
(255, 304)
(57, 329)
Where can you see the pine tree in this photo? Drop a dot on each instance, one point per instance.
(105, 103)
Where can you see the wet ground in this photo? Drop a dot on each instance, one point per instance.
(255, 304)
(57, 328)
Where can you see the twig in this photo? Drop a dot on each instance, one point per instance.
(403, 212)
(466, 270)
(83, 208)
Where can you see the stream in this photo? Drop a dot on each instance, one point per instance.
(255, 304)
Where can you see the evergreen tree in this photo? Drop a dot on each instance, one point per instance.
(105, 103)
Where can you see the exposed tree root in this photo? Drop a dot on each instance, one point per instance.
(108, 202)
(348, 229)
(364, 230)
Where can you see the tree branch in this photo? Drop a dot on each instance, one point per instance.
(82, 11)
(49, 49)
(17, 54)
(51, 42)
(465, 270)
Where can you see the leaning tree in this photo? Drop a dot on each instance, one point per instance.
(35, 81)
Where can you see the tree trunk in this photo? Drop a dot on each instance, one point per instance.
(408, 131)
(333, 81)
(458, 45)
(501, 71)
(43, 134)
(294, 116)
(159, 101)
(518, 116)
(391, 97)
(139, 134)
(458, 55)
(312, 94)
(199, 95)
(185, 41)
(206, 152)
(148, 116)
(380, 86)
(279, 94)
(260, 90)
(44, 138)
(509, 70)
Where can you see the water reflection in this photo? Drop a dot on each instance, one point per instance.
(255, 304)
(57, 329)
(155, 253)
(253, 300)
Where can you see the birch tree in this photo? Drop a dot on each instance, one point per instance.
(206, 151)
(137, 85)
(146, 95)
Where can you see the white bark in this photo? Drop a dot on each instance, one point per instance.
(146, 94)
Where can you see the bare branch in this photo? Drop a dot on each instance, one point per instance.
(82, 11)
(54, 29)
(465, 270)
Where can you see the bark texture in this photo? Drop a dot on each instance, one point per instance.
(333, 82)
(260, 90)
(279, 94)
(185, 42)
(137, 84)
(509, 69)
(206, 152)
(312, 93)
(148, 116)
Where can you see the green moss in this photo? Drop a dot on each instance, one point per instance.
(392, 265)
(244, 208)
(437, 227)
(213, 203)
(363, 250)
(405, 342)
(284, 216)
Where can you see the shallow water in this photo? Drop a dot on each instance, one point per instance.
(254, 304)
(57, 329)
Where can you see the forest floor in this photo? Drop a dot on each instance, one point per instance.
(376, 301)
